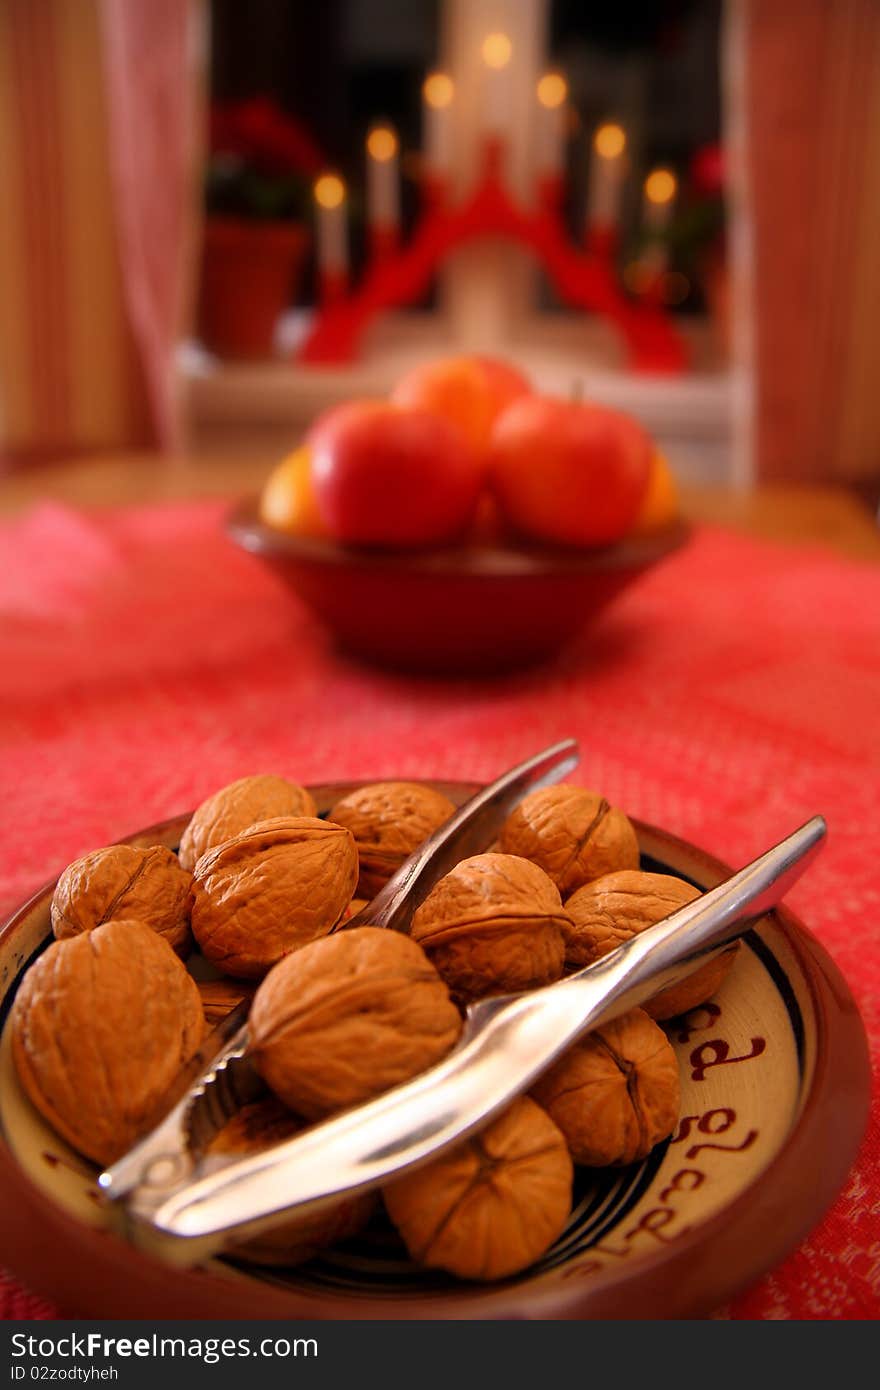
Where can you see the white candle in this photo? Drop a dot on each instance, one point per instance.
(383, 179)
(658, 201)
(331, 226)
(607, 174)
(438, 91)
(497, 52)
(552, 93)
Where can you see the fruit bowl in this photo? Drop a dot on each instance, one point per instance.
(456, 610)
(775, 1088)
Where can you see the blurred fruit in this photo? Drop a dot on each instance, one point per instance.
(386, 474)
(487, 527)
(288, 498)
(568, 472)
(660, 503)
(469, 391)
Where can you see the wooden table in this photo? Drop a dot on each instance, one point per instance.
(813, 515)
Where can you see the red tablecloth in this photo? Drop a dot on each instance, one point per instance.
(730, 694)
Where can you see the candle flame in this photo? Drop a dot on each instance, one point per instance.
(438, 90)
(609, 141)
(329, 191)
(382, 143)
(496, 50)
(661, 186)
(552, 90)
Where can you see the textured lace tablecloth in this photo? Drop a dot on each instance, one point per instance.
(731, 693)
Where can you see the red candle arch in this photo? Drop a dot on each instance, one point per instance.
(583, 277)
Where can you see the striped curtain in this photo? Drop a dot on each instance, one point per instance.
(811, 115)
(98, 198)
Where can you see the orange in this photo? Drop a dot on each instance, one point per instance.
(470, 391)
(660, 504)
(288, 499)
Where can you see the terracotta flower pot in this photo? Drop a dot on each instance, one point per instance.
(250, 273)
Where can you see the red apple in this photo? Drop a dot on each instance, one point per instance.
(568, 472)
(385, 474)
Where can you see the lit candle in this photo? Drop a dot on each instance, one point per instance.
(658, 200)
(438, 91)
(659, 192)
(607, 173)
(552, 92)
(331, 234)
(497, 52)
(383, 180)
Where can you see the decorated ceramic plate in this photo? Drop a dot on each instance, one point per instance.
(775, 1085)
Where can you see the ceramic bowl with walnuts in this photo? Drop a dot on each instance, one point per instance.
(706, 1116)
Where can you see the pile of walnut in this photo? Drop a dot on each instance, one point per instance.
(107, 1016)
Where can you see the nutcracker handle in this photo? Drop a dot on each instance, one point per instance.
(506, 1044)
(670, 951)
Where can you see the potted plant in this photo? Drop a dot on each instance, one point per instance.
(256, 237)
(708, 179)
(695, 244)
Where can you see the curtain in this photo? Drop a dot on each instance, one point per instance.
(811, 118)
(153, 54)
(98, 205)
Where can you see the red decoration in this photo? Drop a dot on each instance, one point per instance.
(583, 278)
(259, 133)
(708, 170)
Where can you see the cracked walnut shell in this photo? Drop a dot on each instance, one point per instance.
(256, 1127)
(494, 924)
(238, 806)
(491, 1206)
(271, 889)
(389, 820)
(101, 1026)
(609, 911)
(349, 1017)
(572, 833)
(615, 1093)
(147, 885)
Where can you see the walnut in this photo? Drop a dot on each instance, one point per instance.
(693, 991)
(122, 881)
(494, 924)
(238, 806)
(271, 889)
(101, 1026)
(388, 821)
(492, 1205)
(256, 1127)
(615, 1093)
(348, 1017)
(572, 833)
(614, 908)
